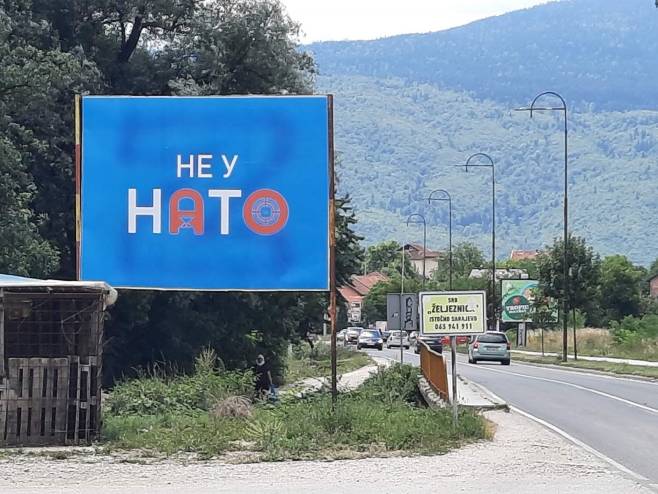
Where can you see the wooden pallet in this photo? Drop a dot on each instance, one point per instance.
(33, 406)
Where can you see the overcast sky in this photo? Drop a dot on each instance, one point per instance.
(368, 19)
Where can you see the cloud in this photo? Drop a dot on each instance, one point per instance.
(369, 19)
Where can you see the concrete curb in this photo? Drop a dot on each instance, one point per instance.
(495, 401)
(471, 395)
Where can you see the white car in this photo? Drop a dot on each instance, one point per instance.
(394, 339)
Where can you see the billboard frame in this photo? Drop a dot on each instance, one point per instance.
(422, 296)
(331, 209)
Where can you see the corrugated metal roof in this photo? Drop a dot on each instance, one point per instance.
(21, 284)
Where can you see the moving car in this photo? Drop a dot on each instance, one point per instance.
(435, 342)
(340, 336)
(385, 334)
(352, 334)
(394, 339)
(491, 346)
(370, 338)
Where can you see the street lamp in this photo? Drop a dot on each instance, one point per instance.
(565, 296)
(420, 221)
(446, 197)
(491, 165)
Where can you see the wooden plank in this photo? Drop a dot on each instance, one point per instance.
(9, 434)
(61, 402)
(3, 407)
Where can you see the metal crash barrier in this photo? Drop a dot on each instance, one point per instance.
(434, 370)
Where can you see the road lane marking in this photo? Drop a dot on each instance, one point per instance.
(583, 388)
(581, 444)
(572, 371)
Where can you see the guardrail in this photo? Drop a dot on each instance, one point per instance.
(434, 370)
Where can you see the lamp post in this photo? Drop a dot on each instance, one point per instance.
(446, 197)
(480, 156)
(565, 296)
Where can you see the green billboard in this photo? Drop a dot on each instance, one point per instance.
(517, 299)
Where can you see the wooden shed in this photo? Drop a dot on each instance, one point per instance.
(51, 341)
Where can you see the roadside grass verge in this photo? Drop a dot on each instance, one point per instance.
(611, 367)
(594, 342)
(302, 362)
(383, 417)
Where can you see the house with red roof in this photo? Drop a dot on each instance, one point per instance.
(356, 290)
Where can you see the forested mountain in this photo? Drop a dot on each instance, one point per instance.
(410, 107)
(603, 52)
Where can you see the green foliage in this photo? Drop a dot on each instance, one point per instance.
(53, 49)
(303, 362)
(386, 257)
(620, 288)
(397, 383)
(381, 416)
(374, 303)
(466, 256)
(156, 393)
(584, 273)
(633, 330)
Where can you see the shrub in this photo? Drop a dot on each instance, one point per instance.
(160, 394)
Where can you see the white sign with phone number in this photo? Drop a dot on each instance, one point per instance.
(453, 313)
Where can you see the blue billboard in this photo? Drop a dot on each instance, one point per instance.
(205, 193)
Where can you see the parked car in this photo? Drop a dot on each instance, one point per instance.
(394, 339)
(435, 342)
(491, 346)
(352, 335)
(370, 338)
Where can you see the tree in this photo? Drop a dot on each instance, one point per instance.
(349, 253)
(620, 287)
(37, 82)
(386, 257)
(466, 256)
(374, 303)
(584, 274)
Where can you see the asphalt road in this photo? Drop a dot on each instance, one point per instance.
(617, 417)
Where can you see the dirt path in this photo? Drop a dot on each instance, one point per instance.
(523, 458)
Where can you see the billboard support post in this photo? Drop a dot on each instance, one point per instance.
(453, 358)
(78, 159)
(458, 313)
(332, 254)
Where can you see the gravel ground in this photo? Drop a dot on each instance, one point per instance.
(523, 458)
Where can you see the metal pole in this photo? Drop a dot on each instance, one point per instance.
(424, 250)
(453, 355)
(566, 236)
(450, 238)
(493, 229)
(575, 345)
(565, 297)
(332, 254)
(401, 292)
(493, 249)
(449, 199)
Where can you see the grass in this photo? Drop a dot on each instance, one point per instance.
(596, 343)
(302, 363)
(380, 418)
(614, 368)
